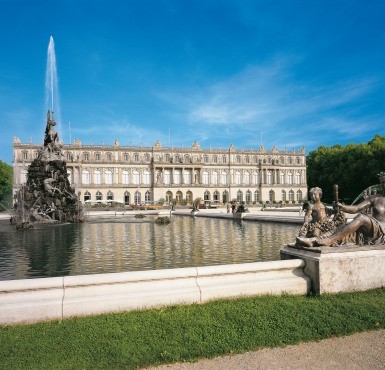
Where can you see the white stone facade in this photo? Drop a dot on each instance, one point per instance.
(138, 175)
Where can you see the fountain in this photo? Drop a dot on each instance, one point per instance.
(47, 196)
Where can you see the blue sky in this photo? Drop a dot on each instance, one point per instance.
(286, 73)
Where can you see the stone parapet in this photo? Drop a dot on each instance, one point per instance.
(341, 269)
(33, 300)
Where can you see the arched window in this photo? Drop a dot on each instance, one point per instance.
(248, 196)
(99, 195)
(269, 178)
(167, 177)
(169, 197)
(87, 196)
(23, 176)
(282, 178)
(239, 196)
(178, 197)
(225, 197)
(290, 179)
(189, 197)
(290, 160)
(205, 178)
(214, 178)
(271, 196)
(224, 178)
(299, 195)
(216, 196)
(86, 177)
(127, 197)
(187, 177)
(206, 195)
(247, 178)
(256, 196)
(146, 177)
(125, 177)
(136, 177)
(283, 195)
(237, 178)
(256, 178)
(108, 177)
(291, 195)
(110, 196)
(97, 177)
(137, 197)
(69, 176)
(298, 178)
(177, 177)
(147, 196)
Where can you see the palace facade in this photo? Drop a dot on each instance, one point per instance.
(137, 175)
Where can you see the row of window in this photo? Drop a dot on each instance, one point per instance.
(176, 158)
(215, 197)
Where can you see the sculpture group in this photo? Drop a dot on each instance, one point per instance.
(327, 226)
(47, 195)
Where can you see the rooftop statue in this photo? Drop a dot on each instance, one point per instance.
(366, 228)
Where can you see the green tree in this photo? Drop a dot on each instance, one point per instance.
(353, 168)
(6, 180)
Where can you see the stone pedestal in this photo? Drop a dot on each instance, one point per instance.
(341, 269)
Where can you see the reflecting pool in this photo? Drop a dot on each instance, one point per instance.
(125, 243)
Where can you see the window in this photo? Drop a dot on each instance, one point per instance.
(238, 159)
(299, 195)
(187, 159)
(271, 196)
(126, 197)
(205, 178)
(247, 178)
(187, 177)
(269, 179)
(108, 175)
(125, 177)
(298, 178)
(269, 160)
(215, 159)
(291, 195)
(99, 195)
(87, 196)
(110, 196)
(137, 197)
(282, 178)
(167, 158)
(256, 178)
(214, 178)
(290, 178)
(86, 156)
(298, 160)
(224, 178)
(225, 196)
(206, 159)
(167, 177)
(136, 177)
(146, 177)
(237, 178)
(97, 156)
(109, 156)
(177, 158)
(239, 196)
(216, 196)
(23, 176)
(136, 157)
(281, 160)
(178, 197)
(290, 160)
(125, 157)
(248, 196)
(177, 177)
(206, 195)
(283, 195)
(247, 159)
(69, 176)
(147, 157)
(69, 156)
(86, 177)
(25, 156)
(35, 154)
(97, 177)
(224, 159)
(256, 196)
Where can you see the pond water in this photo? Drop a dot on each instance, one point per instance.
(124, 243)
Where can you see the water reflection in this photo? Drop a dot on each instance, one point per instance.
(130, 244)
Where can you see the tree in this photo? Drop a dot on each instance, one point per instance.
(353, 168)
(6, 180)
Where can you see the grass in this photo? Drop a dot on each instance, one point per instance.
(186, 333)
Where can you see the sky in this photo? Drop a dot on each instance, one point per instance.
(287, 73)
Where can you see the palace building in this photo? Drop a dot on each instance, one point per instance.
(138, 175)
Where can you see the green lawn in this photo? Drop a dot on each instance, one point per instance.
(186, 333)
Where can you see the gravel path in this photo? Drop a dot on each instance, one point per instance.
(357, 351)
